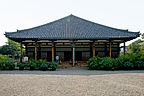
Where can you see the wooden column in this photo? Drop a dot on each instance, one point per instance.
(73, 53)
(35, 50)
(93, 49)
(110, 49)
(124, 48)
(52, 51)
(20, 51)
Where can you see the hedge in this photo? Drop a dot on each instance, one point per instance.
(133, 61)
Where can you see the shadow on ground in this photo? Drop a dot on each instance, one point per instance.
(71, 71)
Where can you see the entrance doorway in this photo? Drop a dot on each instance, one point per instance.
(67, 55)
(78, 55)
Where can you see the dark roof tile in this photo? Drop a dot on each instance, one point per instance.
(71, 27)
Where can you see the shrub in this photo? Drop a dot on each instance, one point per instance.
(32, 65)
(38, 62)
(132, 57)
(128, 61)
(93, 66)
(27, 64)
(106, 63)
(122, 62)
(125, 58)
(93, 62)
(141, 57)
(21, 65)
(115, 64)
(95, 59)
(18, 64)
(41, 61)
(9, 65)
(3, 58)
(139, 65)
(43, 67)
(1, 65)
(52, 66)
(119, 63)
(127, 65)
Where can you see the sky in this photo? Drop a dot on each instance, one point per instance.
(24, 14)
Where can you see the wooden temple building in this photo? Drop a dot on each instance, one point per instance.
(72, 38)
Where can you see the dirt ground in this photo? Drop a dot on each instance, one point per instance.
(71, 82)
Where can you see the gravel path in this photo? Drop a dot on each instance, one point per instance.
(72, 82)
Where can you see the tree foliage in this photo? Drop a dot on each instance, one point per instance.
(143, 36)
(11, 48)
(137, 45)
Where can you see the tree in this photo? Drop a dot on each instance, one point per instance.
(143, 36)
(5, 50)
(11, 48)
(135, 46)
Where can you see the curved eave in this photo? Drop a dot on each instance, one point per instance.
(71, 27)
(54, 38)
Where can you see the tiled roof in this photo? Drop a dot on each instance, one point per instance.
(72, 27)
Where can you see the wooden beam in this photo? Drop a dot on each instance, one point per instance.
(52, 51)
(124, 49)
(110, 49)
(93, 49)
(20, 51)
(36, 51)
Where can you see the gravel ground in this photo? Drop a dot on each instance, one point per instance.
(72, 82)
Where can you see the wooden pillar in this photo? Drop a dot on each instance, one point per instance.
(20, 51)
(110, 49)
(93, 49)
(124, 48)
(73, 53)
(35, 50)
(52, 51)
